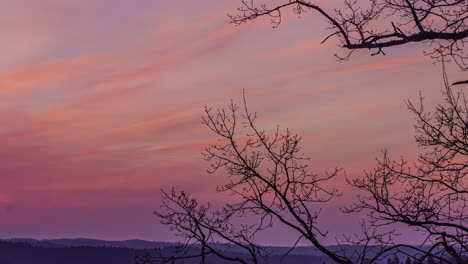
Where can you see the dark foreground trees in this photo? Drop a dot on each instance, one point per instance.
(379, 24)
(271, 182)
(269, 178)
(430, 195)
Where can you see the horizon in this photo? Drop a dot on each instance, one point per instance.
(164, 242)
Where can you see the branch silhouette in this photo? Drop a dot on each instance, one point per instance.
(270, 179)
(379, 24)
(431, 195)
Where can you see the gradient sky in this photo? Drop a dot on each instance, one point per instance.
(101, 104)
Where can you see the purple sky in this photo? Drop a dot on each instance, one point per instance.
(101, 105)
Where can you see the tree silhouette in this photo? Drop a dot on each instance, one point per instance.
(379, 24)
(408, 260)
(270, 179)
(393, 260)
(203, 230)
(431, 195)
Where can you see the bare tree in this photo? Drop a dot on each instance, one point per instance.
(431, 195)
(269, 177)
(206, 232)
(380, 23)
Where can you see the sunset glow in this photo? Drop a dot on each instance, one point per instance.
(101, 106)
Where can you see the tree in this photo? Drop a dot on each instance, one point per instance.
(430, 195)
(393, 260)
(204, 230)
(431, 260)
(380, 23)
(408, 260)
(270, 178)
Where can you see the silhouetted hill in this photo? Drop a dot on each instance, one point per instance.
(77, 242)
(24, 253)
(94, 251)
(90, 251)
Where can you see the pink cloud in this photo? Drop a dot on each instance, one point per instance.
(38, 75)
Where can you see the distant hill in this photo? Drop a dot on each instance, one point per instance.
(94, 251)
(143, 244)
(79, 242)
(25, 253)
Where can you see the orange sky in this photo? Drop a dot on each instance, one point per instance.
(101, 105)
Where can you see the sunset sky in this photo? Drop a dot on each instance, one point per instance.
(101, 104)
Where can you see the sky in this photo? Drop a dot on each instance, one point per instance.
(101, 104)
